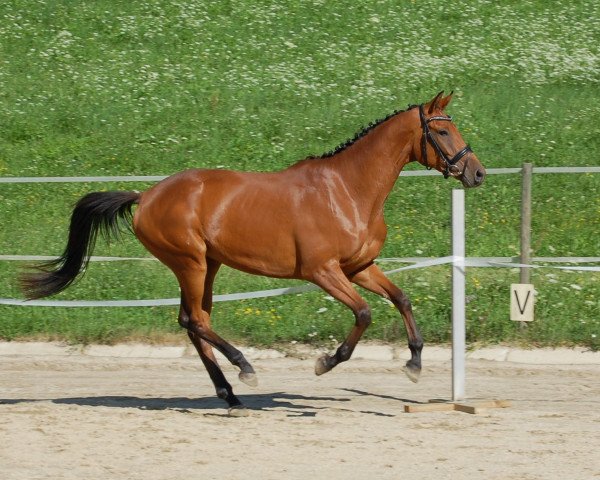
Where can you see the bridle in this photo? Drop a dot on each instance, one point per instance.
(448, 162)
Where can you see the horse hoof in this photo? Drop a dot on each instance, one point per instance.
(412, 372)
(321, 366)
(248, 378)
(238, 411)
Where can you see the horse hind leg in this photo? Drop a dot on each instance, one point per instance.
(222, 386)
(195, 317)
(195, 273)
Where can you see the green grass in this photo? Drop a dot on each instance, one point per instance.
(154, 87)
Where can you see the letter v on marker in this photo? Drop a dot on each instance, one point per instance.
(522, 309)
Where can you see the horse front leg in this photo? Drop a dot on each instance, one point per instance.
(334, 281)
(373, 279)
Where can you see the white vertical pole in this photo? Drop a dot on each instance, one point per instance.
(458, 295)
(527, 171)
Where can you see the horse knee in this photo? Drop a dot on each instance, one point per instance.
(363, 317)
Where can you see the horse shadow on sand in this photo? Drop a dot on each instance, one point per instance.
(294, 405)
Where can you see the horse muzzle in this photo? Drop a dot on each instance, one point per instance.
(471, 175)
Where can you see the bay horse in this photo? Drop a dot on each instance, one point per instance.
(320, 220)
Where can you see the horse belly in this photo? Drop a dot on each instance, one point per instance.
(259, 242)
(364, 247)
(362, 258)
(271, 261)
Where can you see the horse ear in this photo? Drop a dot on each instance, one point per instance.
(431, 106)
(443, 103)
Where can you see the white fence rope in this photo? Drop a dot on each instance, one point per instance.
(422, 263)
(42, 258)
(156, 178)
(418, 262)
(36, 258)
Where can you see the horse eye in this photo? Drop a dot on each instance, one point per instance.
(444, 133)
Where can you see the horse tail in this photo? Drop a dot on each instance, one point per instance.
(104, 212)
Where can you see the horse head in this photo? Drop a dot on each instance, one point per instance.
(441, 146)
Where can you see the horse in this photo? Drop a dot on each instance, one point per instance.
(320, 220)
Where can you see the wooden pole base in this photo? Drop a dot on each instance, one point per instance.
(474, 407)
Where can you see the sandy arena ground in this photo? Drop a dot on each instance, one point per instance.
(81, 417)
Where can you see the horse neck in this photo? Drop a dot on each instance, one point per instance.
(371, 165)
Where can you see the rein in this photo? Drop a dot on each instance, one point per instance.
(448, 162)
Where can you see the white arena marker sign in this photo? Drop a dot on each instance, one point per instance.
(521, 302)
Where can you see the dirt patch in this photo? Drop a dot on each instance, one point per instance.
(79, 417)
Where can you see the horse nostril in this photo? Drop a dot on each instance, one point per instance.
(479, 176)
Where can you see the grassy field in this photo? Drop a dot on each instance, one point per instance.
(154, 87)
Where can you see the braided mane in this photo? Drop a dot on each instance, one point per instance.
(365, 131)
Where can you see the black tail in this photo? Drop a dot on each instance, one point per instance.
(98, 211)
